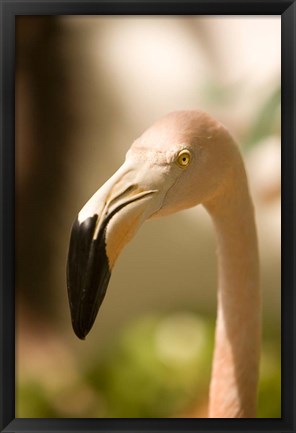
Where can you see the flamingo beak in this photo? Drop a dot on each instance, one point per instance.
(103, 226)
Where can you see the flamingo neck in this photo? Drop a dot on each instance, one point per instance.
(234, 380)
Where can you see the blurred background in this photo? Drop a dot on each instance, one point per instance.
(86, 87)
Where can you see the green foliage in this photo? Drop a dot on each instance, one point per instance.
(160, 365)
(266, 121)
(269, 399)
(32, 400)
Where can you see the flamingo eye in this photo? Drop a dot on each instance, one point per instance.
(184, 158)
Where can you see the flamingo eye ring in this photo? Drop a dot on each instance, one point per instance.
(184, 158)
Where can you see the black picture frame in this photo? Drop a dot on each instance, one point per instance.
(9, 9)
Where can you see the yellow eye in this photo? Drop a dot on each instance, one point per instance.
(184, 158)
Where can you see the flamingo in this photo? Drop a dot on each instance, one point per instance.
(184, 159)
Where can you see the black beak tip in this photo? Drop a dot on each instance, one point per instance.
(88, 275)
(79, 332)
(82, 323)
(81, 337)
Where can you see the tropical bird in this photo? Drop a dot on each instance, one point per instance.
(184, 159)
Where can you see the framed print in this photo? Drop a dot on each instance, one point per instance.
(147, 216)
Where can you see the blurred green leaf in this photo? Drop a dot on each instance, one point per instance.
(267, 119)
(216, 93)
